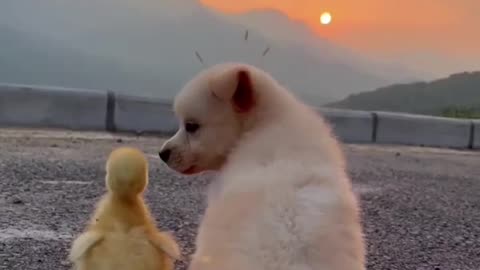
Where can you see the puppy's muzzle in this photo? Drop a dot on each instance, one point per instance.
(165, 155)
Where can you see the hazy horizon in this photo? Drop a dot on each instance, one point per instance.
(434, 36)
(146, 47)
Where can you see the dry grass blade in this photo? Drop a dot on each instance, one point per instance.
(266, 51)
(199, 57)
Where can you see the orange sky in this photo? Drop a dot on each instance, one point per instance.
(385, 27)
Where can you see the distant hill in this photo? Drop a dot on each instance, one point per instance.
(146, 47)
(457, 96)
(279, 27)
(29, 59)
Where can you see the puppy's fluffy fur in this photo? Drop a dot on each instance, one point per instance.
(122, 234)
(284, 200)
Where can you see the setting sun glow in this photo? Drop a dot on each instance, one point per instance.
(325, 18)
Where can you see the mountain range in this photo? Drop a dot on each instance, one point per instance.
(147, 47)
(457, 95)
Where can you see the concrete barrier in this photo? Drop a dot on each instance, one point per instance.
(409, 129)
(47, 107)
(476, 134)
(24, 106)
(136, 114)
(350, 126)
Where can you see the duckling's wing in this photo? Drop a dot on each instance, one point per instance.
(83, 243)
(166, 243)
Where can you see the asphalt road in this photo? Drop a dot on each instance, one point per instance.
(421, 207)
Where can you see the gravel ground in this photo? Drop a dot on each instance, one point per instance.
(421, 206)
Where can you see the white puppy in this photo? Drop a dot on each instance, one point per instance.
(285, 200)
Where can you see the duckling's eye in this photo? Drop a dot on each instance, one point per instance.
(191, 127)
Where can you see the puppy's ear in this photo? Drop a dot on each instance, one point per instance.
(235, 86)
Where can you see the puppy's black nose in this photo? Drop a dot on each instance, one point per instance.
(165, 155)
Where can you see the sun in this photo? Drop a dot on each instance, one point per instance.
(325, 18)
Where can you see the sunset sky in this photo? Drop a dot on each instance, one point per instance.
(411, 31)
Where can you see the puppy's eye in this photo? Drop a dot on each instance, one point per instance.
(191, 127)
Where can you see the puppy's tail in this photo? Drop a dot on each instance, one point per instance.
(127, 171)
